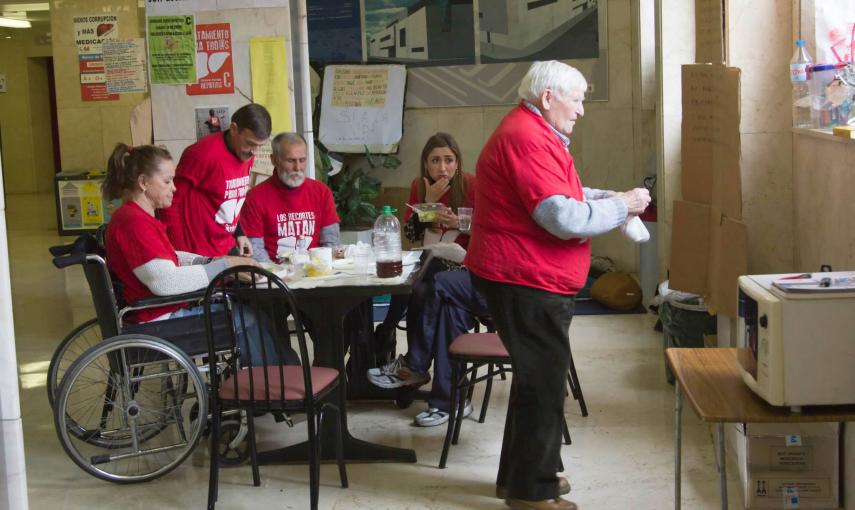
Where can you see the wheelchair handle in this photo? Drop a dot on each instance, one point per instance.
(69, 260)
(60, 250)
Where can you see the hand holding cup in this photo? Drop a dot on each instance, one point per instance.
(636, 200)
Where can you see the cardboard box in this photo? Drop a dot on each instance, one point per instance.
(784, 466)
(709, 243)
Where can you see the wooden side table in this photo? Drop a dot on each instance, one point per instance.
(711, 380)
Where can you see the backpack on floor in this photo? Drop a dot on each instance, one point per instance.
(617, 290)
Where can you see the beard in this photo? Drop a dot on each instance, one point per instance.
(292, 179)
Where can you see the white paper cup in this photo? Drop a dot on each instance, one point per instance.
(320, 261)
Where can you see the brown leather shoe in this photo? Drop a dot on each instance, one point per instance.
(563, 488)
(546, 504)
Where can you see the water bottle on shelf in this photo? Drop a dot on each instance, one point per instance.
(800, 68)
(387, 244)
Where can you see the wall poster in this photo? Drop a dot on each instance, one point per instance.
(214, 68)
(124, 61)
(470, 52)
(89, 34)
(172, 49)
(335, 34)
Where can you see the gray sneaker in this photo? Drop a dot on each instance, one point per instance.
(396, 374)
(433, 416)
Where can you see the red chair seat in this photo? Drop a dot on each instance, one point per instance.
(294, 389)
(487, 345)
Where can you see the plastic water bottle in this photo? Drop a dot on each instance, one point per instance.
(387, 244)
(800, 67)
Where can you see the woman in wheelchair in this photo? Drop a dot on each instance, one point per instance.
(443, 303)
(139, 253)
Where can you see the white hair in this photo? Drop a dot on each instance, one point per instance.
(551, 74)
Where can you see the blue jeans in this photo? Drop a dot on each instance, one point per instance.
(451, 306)
(249, 338)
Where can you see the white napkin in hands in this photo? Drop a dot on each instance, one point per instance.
(448, 251)
(634, 229)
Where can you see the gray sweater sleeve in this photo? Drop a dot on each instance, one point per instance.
(597, 194)
(185, 258)
(164, 278)
(330, 236)
(259, 253)
(567, 218)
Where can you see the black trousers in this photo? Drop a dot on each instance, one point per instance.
(533, 324)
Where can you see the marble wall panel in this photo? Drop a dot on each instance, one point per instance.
(767, 206)
(609, 155)
(761, 46)
(115, 121)
(824, 228)
(81, 138)
(621, 76)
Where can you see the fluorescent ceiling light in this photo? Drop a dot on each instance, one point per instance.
(26, 7)
(14, 23)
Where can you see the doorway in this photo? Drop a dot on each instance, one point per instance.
(45, 130)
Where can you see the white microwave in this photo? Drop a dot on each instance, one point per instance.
(800, 345)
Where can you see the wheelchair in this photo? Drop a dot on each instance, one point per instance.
(129, 400)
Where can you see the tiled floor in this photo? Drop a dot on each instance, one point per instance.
(621, 456)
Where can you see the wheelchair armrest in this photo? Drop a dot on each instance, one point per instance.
(151, 302)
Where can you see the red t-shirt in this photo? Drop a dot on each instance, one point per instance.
(523, 163)
(468, 201)
(134, 237)
(210, 188)
(286, 217)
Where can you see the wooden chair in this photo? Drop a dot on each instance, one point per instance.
(467, 354)
(258, 382)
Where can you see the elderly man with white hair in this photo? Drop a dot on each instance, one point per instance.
(529, 255)
(289, 211)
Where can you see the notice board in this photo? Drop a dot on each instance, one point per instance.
(362, 106)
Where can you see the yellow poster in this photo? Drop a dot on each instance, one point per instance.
(92, 205)
(269, 65)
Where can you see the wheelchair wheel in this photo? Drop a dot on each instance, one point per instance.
(70, 348)
(233, 445)
(123, 409)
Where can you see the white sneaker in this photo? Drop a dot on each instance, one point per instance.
(396, 374)
(433, 416)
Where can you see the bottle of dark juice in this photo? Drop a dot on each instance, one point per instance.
(387, 244)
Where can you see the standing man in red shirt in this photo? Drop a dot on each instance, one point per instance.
(211, 183)
(529, 254)
(289, 211)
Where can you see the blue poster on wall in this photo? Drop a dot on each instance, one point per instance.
(335, 35)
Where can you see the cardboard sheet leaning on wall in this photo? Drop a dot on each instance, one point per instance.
(709, 246)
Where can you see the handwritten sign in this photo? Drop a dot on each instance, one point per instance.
(358, 88)
(362, 106)
(709, 40)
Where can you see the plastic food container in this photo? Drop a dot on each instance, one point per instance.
(429, 211)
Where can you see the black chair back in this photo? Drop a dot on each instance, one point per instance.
(259, 343)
